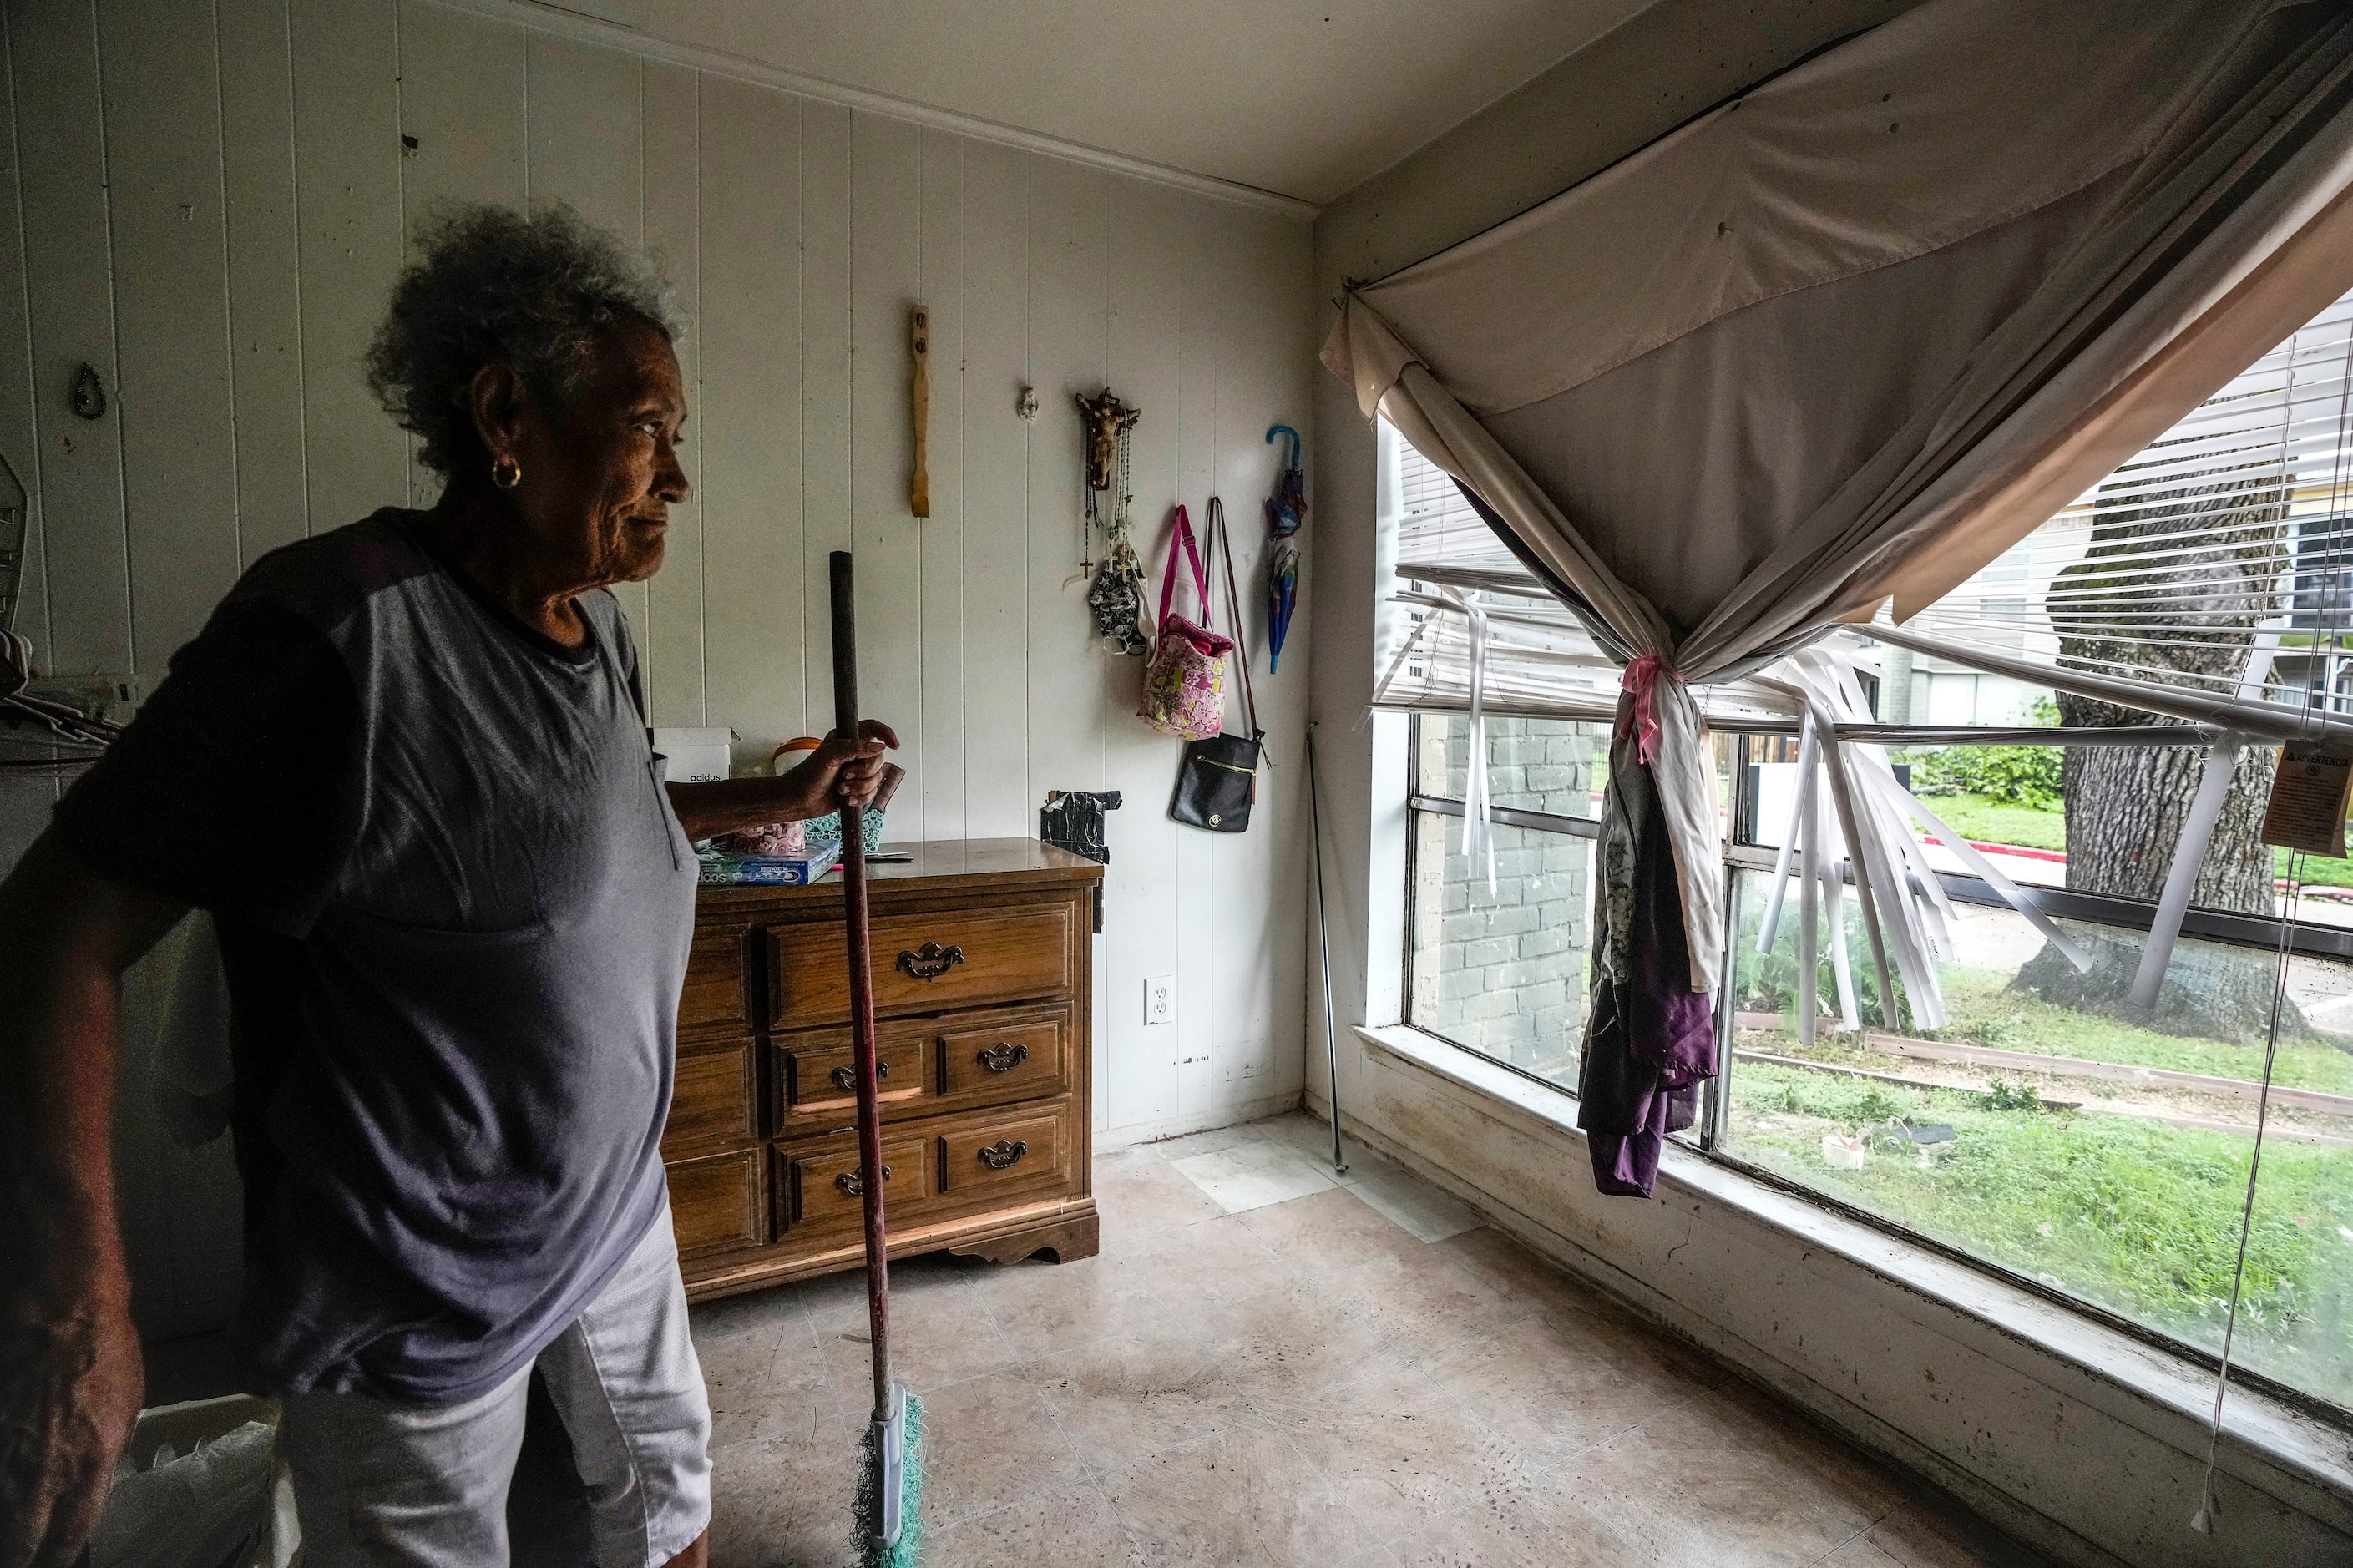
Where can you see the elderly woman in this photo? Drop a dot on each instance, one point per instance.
(406, 767)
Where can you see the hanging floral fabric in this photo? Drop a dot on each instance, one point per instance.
(1286, 509)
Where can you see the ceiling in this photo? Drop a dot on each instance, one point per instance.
(1305, 98)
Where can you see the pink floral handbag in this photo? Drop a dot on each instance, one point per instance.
(1184, 679)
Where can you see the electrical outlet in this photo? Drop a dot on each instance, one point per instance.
(1160, 999)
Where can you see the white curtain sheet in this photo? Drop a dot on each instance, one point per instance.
(1844, 340)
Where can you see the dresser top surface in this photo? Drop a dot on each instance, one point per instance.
(936, 861)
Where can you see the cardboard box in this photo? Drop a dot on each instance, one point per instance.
(695, 757)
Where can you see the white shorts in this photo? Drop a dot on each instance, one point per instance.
(426, 1485)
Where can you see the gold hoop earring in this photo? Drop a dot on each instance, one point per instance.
(505, 472)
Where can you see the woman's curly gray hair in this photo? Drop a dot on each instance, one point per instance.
(495, 286)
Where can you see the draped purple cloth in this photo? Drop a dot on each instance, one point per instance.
(1650, 1039)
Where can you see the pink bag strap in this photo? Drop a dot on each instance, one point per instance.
(1183, 536)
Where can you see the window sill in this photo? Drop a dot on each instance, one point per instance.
(2166, 1396)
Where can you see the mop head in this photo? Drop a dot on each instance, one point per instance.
(875, 1476)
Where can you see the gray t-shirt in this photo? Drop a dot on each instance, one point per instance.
(455, 907)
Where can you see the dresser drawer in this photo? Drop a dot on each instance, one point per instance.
(818, 1191)
(1018, 1054)
(711, 1101)
(714, 1203)
(811, 1084)
(928, 962)
(1019, 1147)
(714, 992)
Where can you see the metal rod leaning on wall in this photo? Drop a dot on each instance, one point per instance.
(1323, 950)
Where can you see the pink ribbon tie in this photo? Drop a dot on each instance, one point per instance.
(1641, 678)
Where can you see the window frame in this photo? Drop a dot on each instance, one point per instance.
(1707, 1138)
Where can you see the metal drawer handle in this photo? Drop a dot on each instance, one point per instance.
(852, 1186)
(846, 1079)
(1003, 1152)
(1003, 1056)
(930, 960)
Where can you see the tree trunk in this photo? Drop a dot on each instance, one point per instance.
(2141, 606)
(2126, 805)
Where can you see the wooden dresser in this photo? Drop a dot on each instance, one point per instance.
(983, 994)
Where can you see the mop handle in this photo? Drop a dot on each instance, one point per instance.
(862, 994)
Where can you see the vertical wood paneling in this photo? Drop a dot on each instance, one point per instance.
(1206, 285)
(257, 143)
(584, 133)
(885, 250)
(1255, 942)
(1141, 922)
(170, 283)
(19, 441)
(1067, 214)
(825, 387)
(586, 148)
(940, 614)
(462, 92)
(673, 219)
(998, 798)
(347, 195)
(752, 506)
(256, 224)
(68, 266)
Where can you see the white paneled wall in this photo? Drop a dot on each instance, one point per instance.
(207, 201)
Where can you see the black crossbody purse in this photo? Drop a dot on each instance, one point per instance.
(1216, 783)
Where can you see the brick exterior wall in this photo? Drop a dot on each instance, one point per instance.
(1505, 973)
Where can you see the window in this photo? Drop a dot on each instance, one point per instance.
(2045, 1128)
(1502, 972)
(1498, 972)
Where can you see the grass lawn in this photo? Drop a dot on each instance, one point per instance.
(2138, 1217)
(1989, 822)
(1975, 817)
(1981, 1010)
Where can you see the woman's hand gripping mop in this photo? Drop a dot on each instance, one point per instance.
(891, 1475)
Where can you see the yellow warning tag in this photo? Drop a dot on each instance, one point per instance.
(2309, 795)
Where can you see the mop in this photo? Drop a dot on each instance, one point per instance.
(889, 1476)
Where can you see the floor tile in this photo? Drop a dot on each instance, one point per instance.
(1071, 1525)
(1329, 1233)
(1427, 1214)
(1313, 1138)
(1715, 1481)
(1336, 1376)
(1208, 1143)
(1243, 1496)
(1562, 1382)
(1124, 1398)
(1252, 1175)
(988, 1439)
(1919, 1534)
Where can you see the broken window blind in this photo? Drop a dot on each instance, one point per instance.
(2218, 559)
(1536, 661)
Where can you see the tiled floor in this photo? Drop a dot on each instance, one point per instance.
(1268, 1368)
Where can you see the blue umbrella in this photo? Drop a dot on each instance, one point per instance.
(1286, 509)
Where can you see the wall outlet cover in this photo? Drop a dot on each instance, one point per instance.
(1160, 999)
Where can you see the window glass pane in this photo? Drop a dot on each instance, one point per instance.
(2085, 817)
(1557, 765)
(1502, 973)
(2043, 1129)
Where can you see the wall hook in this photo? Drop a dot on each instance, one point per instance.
(89, 394)
(1025, 406)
